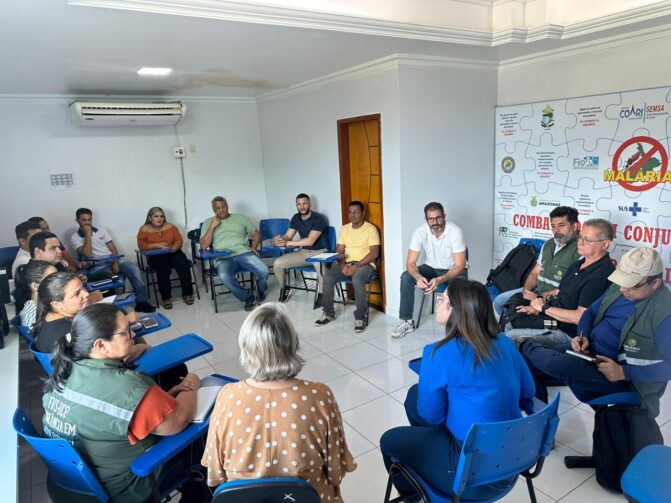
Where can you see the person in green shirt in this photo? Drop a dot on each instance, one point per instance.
(230, 232)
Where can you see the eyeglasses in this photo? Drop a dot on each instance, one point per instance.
(647, 281)
(444, 299)
(585, 240)
(435, 219)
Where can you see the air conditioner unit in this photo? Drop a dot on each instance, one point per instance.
(93, 113)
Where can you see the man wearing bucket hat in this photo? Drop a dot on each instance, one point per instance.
(627, 330)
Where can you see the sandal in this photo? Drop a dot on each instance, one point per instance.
(167, 304)
(188, 300)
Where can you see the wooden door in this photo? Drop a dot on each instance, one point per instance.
(361, 177)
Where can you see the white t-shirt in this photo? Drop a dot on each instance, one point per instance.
(99, 241)
(438, 250)
(22, 257)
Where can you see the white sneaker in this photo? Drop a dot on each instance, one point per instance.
(404, 328)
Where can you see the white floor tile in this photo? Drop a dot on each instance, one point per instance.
(389, 375)
(374, 418)
(223, 351)
(576, 430)
(359, 356)
(398, 347)
(351, 391)
(332, 339)
(400, 394)
(590, 490)
(520, 494)
(555, 479)
(322, 369)
(356, 442)
(230, 368)
(367, 483)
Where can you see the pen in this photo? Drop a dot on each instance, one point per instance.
(581, 339)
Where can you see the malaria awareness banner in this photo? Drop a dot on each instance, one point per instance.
(605, 155)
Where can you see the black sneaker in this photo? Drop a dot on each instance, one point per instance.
(324, 319)
(144, 307)
(284, 294)
(262, 296)
(250, 303)
(318, 301)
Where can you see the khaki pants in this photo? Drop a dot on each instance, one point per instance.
(296, 259)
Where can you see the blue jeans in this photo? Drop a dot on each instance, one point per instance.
(228, 267)
(581, 376)
(431, 451)
(132, 272)
(408, 283)
(503, 298)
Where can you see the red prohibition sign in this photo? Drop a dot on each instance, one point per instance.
(655, 147)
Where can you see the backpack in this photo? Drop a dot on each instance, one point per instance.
(620, 431)
(516, 266)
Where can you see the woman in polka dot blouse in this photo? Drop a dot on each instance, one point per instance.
(273, 424)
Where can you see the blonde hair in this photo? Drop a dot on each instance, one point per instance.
(269, 344)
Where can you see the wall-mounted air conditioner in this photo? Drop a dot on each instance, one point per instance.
(95, 113)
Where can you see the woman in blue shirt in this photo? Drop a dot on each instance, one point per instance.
(474, 375)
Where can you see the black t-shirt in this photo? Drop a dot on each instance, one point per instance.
(581, 287)
(50, 332)
(316, 222)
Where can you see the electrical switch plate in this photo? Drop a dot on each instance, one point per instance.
(178, 152)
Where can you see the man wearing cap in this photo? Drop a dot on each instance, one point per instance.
(627, 331)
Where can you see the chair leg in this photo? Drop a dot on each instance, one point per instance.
(530, 487)
(421, 308)
(194, 279)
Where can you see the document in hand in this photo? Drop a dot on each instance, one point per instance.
(204, 402)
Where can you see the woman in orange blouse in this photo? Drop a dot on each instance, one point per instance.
(158, 234)
(274, 424)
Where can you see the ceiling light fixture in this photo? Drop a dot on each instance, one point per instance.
(148, 71)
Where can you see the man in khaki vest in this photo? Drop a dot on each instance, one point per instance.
(625, 333)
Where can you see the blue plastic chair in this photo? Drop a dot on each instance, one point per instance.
(302, 269)
(266, 491)
(23, 330)
(44, 359)
(67, 470)
(7, 255)
(537, 243)
(646, 479)
(492, 457)
(269, 228)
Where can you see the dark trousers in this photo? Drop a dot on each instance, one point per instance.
(432, 452)
(164, 264)
(549, 364)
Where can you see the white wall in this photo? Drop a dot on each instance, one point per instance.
(300, 152)
(123, 171)
(627, 66)
(447, 153)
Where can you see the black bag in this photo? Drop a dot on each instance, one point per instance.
(620, 431)
(516, 266)
(521, 320)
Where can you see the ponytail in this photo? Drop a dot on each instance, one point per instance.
(97, 321)
(25, 276)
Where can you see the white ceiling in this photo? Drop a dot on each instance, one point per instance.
(237, 49)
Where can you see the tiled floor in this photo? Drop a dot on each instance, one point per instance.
(369, 375)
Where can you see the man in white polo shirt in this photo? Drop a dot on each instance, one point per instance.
(445, 250)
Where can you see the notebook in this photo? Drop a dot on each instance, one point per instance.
(206, 397)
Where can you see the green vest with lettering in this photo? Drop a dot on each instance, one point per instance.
(637, 339)
(555, 264)
(93, 412)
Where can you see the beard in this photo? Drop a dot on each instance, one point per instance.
(562, 240)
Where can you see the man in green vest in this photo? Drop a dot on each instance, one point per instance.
(627, 332)
(557, 254)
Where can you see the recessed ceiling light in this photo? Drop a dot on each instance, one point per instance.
(148, 71)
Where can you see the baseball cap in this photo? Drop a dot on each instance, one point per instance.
(636, 265)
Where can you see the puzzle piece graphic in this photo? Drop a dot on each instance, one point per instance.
(640, 113)
(548, 118)
(591, 121)
(546, 156)
(508, 130)
(582, 163)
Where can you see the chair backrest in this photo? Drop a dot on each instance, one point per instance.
(332, 239)
(43, 358)
(24, 331)
(537, 243)
(271, 227)
(266, 491)
(67, 469)
(496, 451)
(7, 255)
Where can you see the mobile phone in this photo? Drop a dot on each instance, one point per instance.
(123, 296)
(580, 355)
(148, 323)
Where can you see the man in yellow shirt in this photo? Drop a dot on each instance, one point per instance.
(359, 242)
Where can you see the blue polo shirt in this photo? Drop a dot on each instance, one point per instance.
(316, 222)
